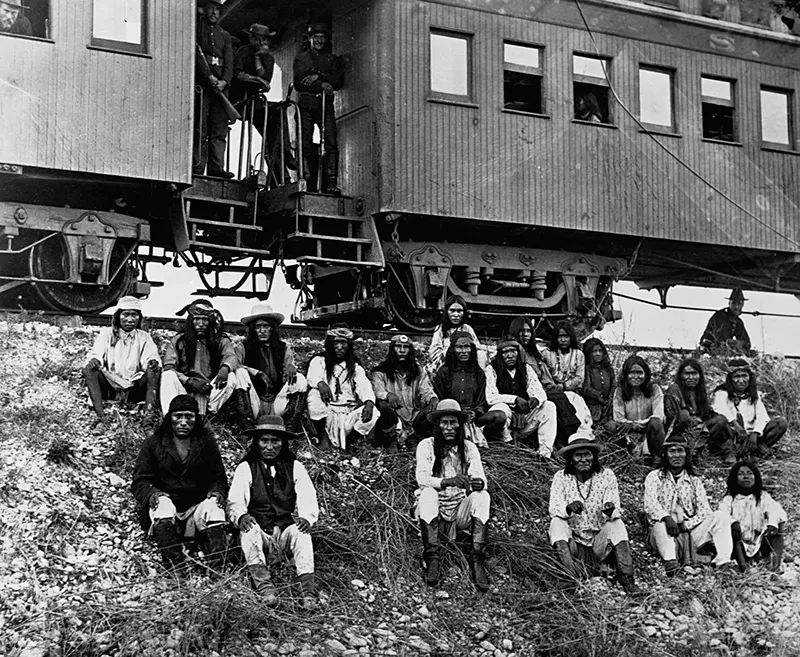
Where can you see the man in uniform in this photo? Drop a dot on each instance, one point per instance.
(12, 21)
(726, 329)
(317, 75)
(213, 75)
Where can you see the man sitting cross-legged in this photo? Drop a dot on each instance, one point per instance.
(452, 489)
(274, 504)
(585, 512)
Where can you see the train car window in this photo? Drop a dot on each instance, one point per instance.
(776, 112)
(655, 97)
(522, 78)
(31, 19)
(719, 116)
(450, 64)
(591, 77)
(120, 25)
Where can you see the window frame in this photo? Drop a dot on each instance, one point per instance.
(125, 47)
(525, 70)
(605, 81)
(721, 102)
(442, 96)
(776, 145)
(656, 127)
(48, 38)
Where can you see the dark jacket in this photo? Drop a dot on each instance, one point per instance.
(214, 42)
(324, 64)
(467, 387)
(272, 500)
(244, 61)
(722, 327)
(159, 468)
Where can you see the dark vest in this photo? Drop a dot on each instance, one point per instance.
(272, 501)
(516, 386)
(254, 357)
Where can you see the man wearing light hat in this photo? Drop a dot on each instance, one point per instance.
(267, 373)
(274, 504)
(12, 20)
(725, 330)
(404, 394)
(452, 491)
(123, 361)
(585, 513)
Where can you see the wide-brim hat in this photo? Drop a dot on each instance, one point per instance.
(14, 4)
(583, 438)
(203, 3)
(127, 302)
(259, 29)
(447, 407)
(318, 28)
(270, 424)
(737, 295)
(263, 310)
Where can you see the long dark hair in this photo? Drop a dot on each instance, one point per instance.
(213, 335)
(700, 394)
(569, 468)
(116, 328)
(566, 326)
(451, 361)
(440, 449)
(588, 348)
(392, 363)
(253, 453)
(625, 387)
(665, 464)
(450, 301)
(275, 344)
(520, 369)
(350, 358)
(199, 430)
(733, 485)
(514, 327)
(752, 386)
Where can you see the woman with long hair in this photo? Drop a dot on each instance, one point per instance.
(454, 319)
(639, 409)
(565, 359)
(599, 383)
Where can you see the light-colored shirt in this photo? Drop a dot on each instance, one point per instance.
(414, 396)
(126, 358)
(594, 493)
(638, 409)
(683, 498)
(534, 388)
(567, 369)
(451, 496)
(753, 517)
(239, 495)
(354, 391)
(754, 415)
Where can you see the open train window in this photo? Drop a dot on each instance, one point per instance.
(120, 25)
(450, 65)
(655, 98)
(590, 77)
(719, 109)
(25, 19)
(776, 113)
(522, 78)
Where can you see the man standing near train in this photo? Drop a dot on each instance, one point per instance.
(725, 329)
(318, 73)
(213, 75)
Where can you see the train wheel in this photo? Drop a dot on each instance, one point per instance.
(49, 260)
(400, 295)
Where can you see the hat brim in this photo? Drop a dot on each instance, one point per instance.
(283, 433)
(435, 416)
(581, 443)
(249, 319)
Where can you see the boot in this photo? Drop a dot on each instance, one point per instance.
(565, 557)
(430, 550)
(624, 559)
(671, 567)
(293, 417)
(776, 553)
(308, 588)
(323, 440)
(169, 543)
(242, 405)
(262, 584)
(214, 544)
(332, 173)
(479, 556)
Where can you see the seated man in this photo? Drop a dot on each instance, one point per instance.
(180, 485)
(585, 512)
(124, 361)
(341, 401)
(200, 360)
(12, 20)
(274, 504)
(452, 490)
(725, 330)
(404, 395)
(513, 388)
(268, 375)
(681, 520)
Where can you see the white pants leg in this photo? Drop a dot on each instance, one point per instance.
(253, 542)
(282, 398)
(715, 529)
(428, 504)
(301, 548)
(475, 505)
(546, 414)
(219, 396)
(317, 409)
(559, 531)
(501, 406)
(170, 388)
(663, 542)
(206, 513)
(164, 511)
(611, 533)
(581, 409)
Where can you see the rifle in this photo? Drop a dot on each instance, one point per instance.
(230, 111)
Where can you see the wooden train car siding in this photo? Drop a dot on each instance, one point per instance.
(66, 106)
(473, 160)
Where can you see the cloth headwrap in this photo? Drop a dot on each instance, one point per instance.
(460, 335)
(129, 303)
(739, 363)
(340, 332)
(400, 338)
(508, 342)
(183, 403)
(197, 308)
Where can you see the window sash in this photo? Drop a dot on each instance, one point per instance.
(448, 76)
(120, 25)
(776, 111)
(652, 111)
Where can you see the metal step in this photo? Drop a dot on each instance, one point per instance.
(211, 199)
(223, 224)
(340, 217)
(224, 247)
(337, 261)
(330, 238)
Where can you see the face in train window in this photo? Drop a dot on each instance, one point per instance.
(28, 19)
(655, 97)
(120, 25)
(450, 65)
(776, 112)
(522, 78)
(719, 116)
(590, 77)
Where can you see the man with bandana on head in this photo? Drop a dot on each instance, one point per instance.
(180, 485)
(123, 361)
(404, 394)
(341, 402)
(200, 360)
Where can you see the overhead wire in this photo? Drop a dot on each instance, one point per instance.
(754, 313)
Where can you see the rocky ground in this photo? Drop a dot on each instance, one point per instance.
(77, 577)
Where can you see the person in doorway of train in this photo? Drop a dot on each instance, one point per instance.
(599, 382)
(585, 516)
(180, 485)
(680, 518)
(200, 360)
(725, 330)
(341, 401)
(267, 375)
(318, 74)
(748, 430)
(462, 378)
(565, 358)
(274, 504)
(517, 400)
(454, 319)
(638, 418)
(12, 20)
(757, 520)
(452, 491)
(123, 361)
(404, 395)
(213, 76)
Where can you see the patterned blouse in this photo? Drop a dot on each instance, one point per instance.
(600, 488)
(639, 409)
(683, 498)
(753, 517)
(567, 369)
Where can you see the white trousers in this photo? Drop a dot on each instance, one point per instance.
(715, 529)
(171, 387)
(545, 415)
(281, 400)
(474, 505)
(611, 533)
(582, 411)
(197, 517)
(257, 544)
(341, 419)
